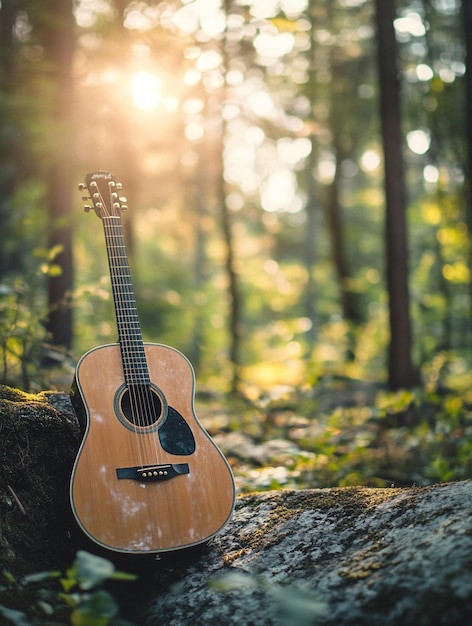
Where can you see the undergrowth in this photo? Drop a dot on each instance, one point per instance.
(56, 598)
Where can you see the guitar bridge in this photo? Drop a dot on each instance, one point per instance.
(152, 473)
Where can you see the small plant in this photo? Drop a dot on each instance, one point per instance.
(35, 601)
(293, 605)
(23, 311)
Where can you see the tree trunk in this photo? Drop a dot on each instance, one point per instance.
(400, 369)
(12, 141)
(233, 290)
(467, 19)
(467, 14)
(310, 251)
(312, 209)
(60, 183)
(334, 218)
(234, 295)
(334, 214)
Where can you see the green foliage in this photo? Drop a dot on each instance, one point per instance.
(22, 334)
(24, 347)
(292, 605)
(343, 431)
(35, 601)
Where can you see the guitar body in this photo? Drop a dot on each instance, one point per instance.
(133, 489)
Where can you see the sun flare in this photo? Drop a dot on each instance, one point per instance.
(146, 89)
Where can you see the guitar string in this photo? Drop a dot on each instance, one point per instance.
(138, 373)
(137, 379)
(135, 400)
(111, 249)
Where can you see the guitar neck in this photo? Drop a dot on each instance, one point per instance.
(129, 331)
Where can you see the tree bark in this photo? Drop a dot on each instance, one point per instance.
(310, 250)
(312, 208)
(400, 368)
(60, 52)
(467, 15)
(234, 293)
(233, 290)
(334, 213)
(12, 139)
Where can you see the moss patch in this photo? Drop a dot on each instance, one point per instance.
(343, 504)
(38, 444)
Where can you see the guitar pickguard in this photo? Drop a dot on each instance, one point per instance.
(175, 435)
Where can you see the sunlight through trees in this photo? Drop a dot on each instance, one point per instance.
(247, 135)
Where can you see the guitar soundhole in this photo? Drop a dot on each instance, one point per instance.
(141, 405)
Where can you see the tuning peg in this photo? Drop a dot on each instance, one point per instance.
(85, 198)
(124, 207)
(87, 208)
(123, 199)
(119, 185)
(81, 186)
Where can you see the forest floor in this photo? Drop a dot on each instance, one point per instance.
(339, 432)
(343, 432)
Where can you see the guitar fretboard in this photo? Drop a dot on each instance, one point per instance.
(129, 331)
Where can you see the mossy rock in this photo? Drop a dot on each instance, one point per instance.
(38, 443)
(337, 557)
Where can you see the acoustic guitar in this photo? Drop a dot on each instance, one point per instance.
(147, 477)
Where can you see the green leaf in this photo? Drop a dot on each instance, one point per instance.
(8, 577)
(96, 610)
(40, 576)
(123, 576)
(91, 570)
(71, 599)
(15, 618)
(68, 583)
(55, 251)
(232, 581)
(53, 270)
(46, 607)
(298, 606)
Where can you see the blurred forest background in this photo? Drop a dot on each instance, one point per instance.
(299, 225)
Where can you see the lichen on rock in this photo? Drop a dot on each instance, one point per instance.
(361, 555)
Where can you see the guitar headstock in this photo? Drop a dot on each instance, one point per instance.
(103, 190)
